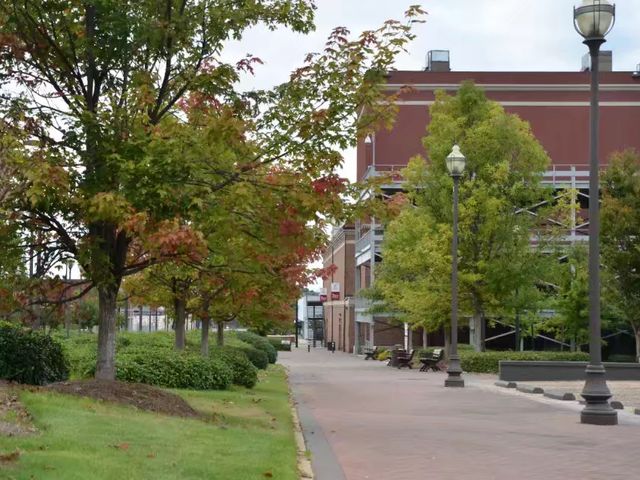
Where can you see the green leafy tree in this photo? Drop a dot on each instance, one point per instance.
(413, 282)
(115, 162)
(620, 234)
(571, 304)
(504, 168)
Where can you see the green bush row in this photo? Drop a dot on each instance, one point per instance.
(175, 370)
(31, 357)
(138, 353)
(259, 358)
(261, 343)
(244, 372)
(279, 345)
(489, 362)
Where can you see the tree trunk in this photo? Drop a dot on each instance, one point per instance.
(447, 342)
(105, 365)
(637, 333)
(204, 335)
(425, 340)
(474, 331)
(67, 319)
(220, 334)
(181, 313)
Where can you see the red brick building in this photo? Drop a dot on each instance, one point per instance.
(339, 313)
(556, 104)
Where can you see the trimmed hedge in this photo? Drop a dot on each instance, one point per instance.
(279, 346)
(622, 358)
(259, 358)
(244, 372)
(174, 370)
(31, 357)
(489, 362)
(82, 360)
(137, 353)
(261, 343)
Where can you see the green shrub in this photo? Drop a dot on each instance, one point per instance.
(259, 358)
(279, 345)
(155, 340)
(622, 358)
(261, 343)
(174, 370)
(383, 355)
(245, 373)
(488, 362)
(241, 360)
(82, 360)
(31, 357)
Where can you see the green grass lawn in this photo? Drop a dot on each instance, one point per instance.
(247, 434)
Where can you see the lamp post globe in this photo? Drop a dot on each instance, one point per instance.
(593, 20)
(455, 164)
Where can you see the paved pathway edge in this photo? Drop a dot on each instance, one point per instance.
(310, 437)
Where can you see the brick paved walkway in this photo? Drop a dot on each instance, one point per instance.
(380, 423)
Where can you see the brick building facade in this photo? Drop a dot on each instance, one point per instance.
(556, 104)
(339, 316)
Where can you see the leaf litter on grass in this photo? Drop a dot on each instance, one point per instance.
(15, 420)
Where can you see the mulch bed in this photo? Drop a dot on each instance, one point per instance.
(141, 396)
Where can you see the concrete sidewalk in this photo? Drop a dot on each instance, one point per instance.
(374, 422)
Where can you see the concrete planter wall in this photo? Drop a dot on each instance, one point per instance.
(523, 371)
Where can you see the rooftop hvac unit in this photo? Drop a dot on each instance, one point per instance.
(438, 61)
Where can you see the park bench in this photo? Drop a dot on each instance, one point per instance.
(404, 359)
(430, 362)
(370, 353)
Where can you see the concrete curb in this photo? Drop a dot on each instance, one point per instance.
(616, 405)
(322, 464)
(564, 396)
(304, 463)
(527, 389)
(504, 384)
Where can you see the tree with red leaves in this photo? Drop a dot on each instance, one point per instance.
(133, 124)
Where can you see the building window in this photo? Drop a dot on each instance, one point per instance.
(315, 312)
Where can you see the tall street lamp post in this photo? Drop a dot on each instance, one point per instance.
(296, 323)
(455, 164)
(593, 20)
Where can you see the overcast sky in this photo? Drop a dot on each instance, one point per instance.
(482, 35)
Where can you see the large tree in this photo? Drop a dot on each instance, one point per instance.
(103, 90)
(620, 237)
(504, 168)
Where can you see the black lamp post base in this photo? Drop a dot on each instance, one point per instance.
(596, 394)
(454, 373)
(454, 381)
(599, 418)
